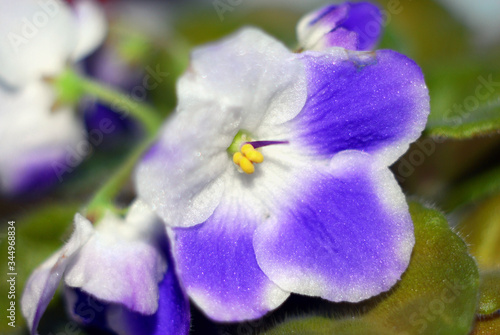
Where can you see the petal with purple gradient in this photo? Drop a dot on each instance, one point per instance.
(44, 139)
(349, 236)
(373, 102)
(44, 281)
(172, 316)
(354, 26)
(217, 265)
(119, 264)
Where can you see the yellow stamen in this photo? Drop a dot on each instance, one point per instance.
(254, 156)
(237, 158)
(246, 165)
(246, 148)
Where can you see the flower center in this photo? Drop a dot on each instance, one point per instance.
(245, 153)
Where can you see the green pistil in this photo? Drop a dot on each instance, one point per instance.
(241, 137)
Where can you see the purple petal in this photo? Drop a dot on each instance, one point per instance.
(349, 235)
(44, 281)
(85, 309)
(32, 173)
(365, 19)
(218, 268)
(354, 26)
(172, 316)
(372, 102)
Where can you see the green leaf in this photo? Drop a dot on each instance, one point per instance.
(437, 294)
(481, 121)
(38, 235)
(489, 300)
(488, 326)
(481, 230)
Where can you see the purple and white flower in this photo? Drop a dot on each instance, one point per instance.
(38, 39)
(273, 173)
(354, 26)
(117, 275)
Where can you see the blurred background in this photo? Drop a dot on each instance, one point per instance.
(455, 166)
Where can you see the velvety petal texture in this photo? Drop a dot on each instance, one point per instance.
(348, 236)
(372, 102)
(118, 267)
(115, 275)
(223, 278)
(216, 106)
(316, 211)
(354, 26)
(171, 317)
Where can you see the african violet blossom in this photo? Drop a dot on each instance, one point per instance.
(37, 40)
(311, 206)
(117, 275)
(354, 26)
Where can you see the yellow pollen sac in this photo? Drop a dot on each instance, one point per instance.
(246, 157)
(254, 156)
(246, 148)
(237, 158)
(246, 165)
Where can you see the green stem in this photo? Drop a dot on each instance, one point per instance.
(118, 101)
(103, 199)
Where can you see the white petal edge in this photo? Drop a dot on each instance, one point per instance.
(44, 281)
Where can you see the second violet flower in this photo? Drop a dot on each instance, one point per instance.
(273, 173)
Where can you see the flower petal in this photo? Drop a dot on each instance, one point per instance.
(372, 102)
(354, 26)
(85, 309)
(348, 236)
(239, 83)
(91, 27)
(120, 264)
(217, 265)
(48, 143)
(44, 281)
(36, 39)
(172, 316)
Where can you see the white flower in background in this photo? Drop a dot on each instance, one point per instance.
(38, 39)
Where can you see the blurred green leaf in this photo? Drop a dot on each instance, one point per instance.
(38, 235)
(481, 230)
(437, 294)
(474, 189)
